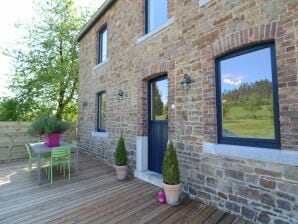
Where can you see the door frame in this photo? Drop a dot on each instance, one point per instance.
(161, 77)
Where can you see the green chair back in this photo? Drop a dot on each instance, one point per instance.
(59, 156)
(60, 153)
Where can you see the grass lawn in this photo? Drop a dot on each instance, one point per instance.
(240, 124)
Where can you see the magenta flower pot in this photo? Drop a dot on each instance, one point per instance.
(52, 140)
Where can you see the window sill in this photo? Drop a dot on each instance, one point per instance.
(286, 157)
(100, 134)
(100, 65)
(155, 31)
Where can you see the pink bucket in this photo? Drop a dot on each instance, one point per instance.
(52, 140)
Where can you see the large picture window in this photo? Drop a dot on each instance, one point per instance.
(101, 112)
(102, 44)
(156, 14)
(247, 98)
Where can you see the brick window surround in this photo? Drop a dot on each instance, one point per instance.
(263, 33)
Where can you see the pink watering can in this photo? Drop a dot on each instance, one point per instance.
(161, 197)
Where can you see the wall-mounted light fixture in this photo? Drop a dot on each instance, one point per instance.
(185, 83)
(85, 104)
(120, 94)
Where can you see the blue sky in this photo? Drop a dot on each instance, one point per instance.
(163, 89)
(246, 68)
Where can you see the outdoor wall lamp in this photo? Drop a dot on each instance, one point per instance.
(85, 104)
(185, 82)
(120, 94)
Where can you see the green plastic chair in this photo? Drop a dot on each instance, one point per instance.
(59, 157)
(31, 158)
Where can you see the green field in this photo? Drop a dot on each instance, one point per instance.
(237, 122)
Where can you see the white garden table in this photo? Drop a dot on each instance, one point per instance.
(40, 148)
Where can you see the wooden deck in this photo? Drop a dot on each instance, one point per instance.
(95, 196)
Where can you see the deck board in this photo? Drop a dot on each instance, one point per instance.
(95, 196)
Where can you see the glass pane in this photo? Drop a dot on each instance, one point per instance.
(246, 91)
(159, 100)
(102, 111)
(158, 13)
(104, 45)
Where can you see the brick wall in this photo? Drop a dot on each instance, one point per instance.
(259, 191)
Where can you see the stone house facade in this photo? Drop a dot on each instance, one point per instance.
(257, 182)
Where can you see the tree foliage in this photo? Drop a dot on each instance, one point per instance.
(262, 87)
(158, 104)
(46, 61)
(10, 109)
(120, 155)
(253, 104)
(170, 171)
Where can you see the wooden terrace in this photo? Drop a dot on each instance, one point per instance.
(95, 196)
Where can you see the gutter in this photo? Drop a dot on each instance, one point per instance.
(99, 13)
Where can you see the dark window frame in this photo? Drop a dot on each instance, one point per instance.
(147, 19)
(98, 117)
(100, 33)
(254, 142)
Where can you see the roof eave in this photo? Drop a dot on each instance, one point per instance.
(94, 19)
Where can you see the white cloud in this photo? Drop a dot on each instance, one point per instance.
(234, 80)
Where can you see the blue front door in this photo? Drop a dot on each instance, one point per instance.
(158, 122)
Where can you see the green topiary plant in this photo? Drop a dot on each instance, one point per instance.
(47, 125)
(170, 171)
(120, 156)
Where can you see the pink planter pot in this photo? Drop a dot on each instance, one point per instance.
(52, 140)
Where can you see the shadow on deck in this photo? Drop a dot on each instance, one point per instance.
(95, 196)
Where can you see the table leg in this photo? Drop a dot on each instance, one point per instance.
(77, 160)
(38, 169)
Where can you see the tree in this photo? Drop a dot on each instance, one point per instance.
(157, 103)
(9, 109)
(225, 107)
(253, 104)
(46, 64)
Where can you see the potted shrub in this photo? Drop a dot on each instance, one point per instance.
(121, 159)
(171, 176)
(50, 127)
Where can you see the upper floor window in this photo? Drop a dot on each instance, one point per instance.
(247, 98)
(102, 44)
(101, 111)
(156, 13)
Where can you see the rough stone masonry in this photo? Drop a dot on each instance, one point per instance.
(260, 191)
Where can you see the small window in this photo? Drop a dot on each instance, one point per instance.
(247, 98)
(156, 14)
(101, 112)
(102, 44)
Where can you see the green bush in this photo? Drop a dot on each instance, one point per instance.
(120, 156)
(47, 125)
(170, 171)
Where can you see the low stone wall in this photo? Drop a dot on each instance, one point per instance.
(13, 137)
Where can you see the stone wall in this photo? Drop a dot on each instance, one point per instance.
(261, 191)
(13, 137)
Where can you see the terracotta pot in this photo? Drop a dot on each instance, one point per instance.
(52, 140)
(121, 172)
(172, 193)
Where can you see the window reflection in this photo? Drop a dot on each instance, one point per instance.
(246, 94)
(157, 13)
(159, 100)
